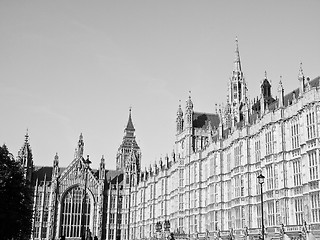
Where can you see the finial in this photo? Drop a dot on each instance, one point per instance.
(237, 47)
(27, 135)
(80, 137)
(280, 87)
(265, 74)
(301, 70)
(130, 108)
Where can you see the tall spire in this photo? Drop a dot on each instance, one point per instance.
(237, 63)
(130, 126)
(127, 142)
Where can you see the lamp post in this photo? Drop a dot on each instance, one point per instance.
(261, 181)
(86, 167)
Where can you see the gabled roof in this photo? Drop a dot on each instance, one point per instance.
(112, 175)
(40, 172)
(202, 120)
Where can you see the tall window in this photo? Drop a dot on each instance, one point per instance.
(195, 172)
(269, 169)
(180, 224)
(315, 207)
(111, 218)
(205, 171)
(228, 162)
(237, 155)
(72, 209)
(298, 205)
(237, 185)
(269, 142)
(211, 166)
(257, 152)
(162, 187)
(215, 165)
(311, 126)
(238, 217)
(271, 216)
(278, 216)
(229, 219)
(151, 191)
(243, 219)
(150, 210)
(313, 166)
(212, 193)
(180, 202)
(295, 135)
(258, 207)
(216, 192)
(297, 173)
(229, 190)
(180, 177)
(111, 233)
(113, 202)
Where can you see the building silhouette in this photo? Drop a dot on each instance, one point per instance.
(208, 187)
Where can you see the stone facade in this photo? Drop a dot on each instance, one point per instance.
(208, 187)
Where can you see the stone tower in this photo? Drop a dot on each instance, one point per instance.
(25, 157)
(128, 145)
(237, 92)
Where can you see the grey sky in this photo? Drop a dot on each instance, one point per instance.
(68, 67)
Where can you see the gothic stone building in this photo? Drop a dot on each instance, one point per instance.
(208, 187)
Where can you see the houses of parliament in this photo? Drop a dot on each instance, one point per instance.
(208, 187)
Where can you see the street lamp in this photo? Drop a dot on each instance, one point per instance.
(86, 167)
(261, 181)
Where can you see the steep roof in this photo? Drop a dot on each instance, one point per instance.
(40, 172)
(289, 97)
(130, 126)
(202, 120)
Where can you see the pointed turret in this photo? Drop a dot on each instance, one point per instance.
(55, 172)
(80, 147)
(301, 80)
(265, 87)
(280, 93)
(179, 119)
(102, 169)
(25, 158)
(237, 91)
(189, 111)
(237, 63)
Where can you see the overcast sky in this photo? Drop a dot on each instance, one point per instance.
(71, 67)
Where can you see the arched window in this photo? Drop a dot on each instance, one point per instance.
(75, 211)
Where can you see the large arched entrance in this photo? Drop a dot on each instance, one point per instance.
(75, 213)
